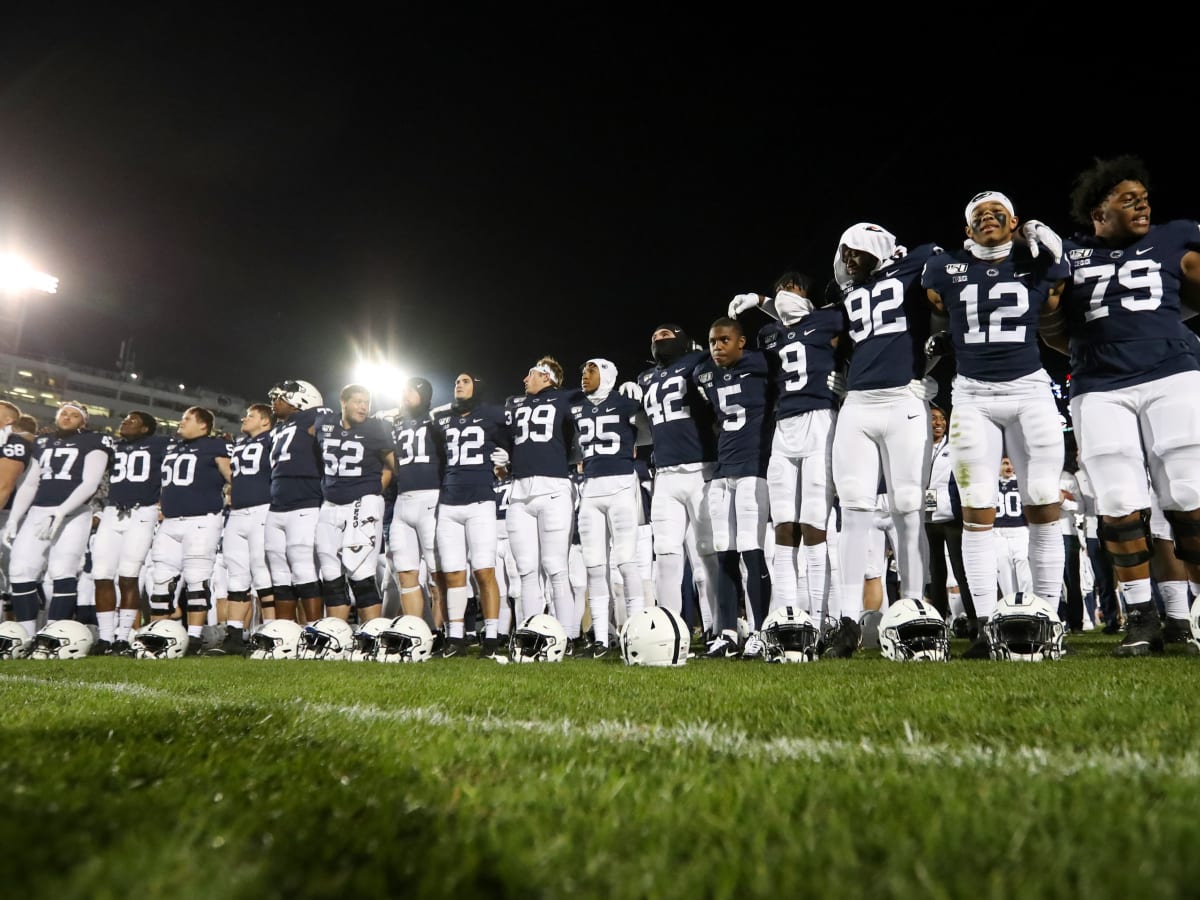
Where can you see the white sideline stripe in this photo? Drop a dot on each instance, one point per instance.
(704, 736)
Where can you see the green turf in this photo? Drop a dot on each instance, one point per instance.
(860, 778)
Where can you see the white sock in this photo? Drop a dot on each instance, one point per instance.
(668, 582)
(631, 578)
(910, 552)
(1137, 592)
(491, 627)
(105, 622)
(195, 630)
(784, 588)
(126, 618)
(599, 607)
(1047, 559)
(856, 530)
(816, 569)
(1175, 599)
(979, 561)
(456, 609)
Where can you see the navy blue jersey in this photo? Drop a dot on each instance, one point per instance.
(420, 454)
(297, 466)
(994, 308)
(607, 434)
(354, 457)
(889, 324)
(192, 483)
(250, 460)
(1124, 311)
(60, 460)
(742, 396)
(543, 432)
(136, 476)
(802, 356)
(682, 423)
(1010, 512)
(470, 439)
(20, 449)
(502, 488)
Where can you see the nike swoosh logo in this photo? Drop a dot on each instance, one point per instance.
(610, 409)
(744, 375)
(808, 331)
(891, 272)
(1145, 250)
(476, 421)
(912, 417)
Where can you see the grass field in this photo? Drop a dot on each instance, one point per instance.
(861, 778)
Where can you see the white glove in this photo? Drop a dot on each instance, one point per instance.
(882, 521)
(1035, 233)
(500, 457)
(50, 528)
(632, 390)
(924, 388)
(741, 303)
(836, 382)
(10, 533)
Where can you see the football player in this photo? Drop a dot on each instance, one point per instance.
(738, 384)
(420, 463)
(994, 292)
(541, 506)
(508, 580)
(296, 472)
(359, 459)
(1134, 378)
(195, 474)
(1011, 535)
(16, 453)
(51, 519)
(884, 418)
(473, 432)
(610, 497)
(243, 537)
(800, 348)
(683, 431)
(127, 526)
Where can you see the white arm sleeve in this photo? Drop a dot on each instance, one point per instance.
(23, 498)
(94, 465)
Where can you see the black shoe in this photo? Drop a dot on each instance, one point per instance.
(195, 645)
(981, 647)
(578, 647)
(843, 642)
(234, 644)
(723, 646)
(105, 648)
(1113, 627)
(492, 648)
(1143, 632)
(439, 643)
(454, 648)
(960, 627)
(1176, 631)
(599, 650)
(121, 648)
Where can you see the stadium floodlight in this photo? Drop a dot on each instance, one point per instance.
(17, 276)
(381, 378)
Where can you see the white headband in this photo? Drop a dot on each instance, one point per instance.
(989, 197)
(75, 406)
(547, 371)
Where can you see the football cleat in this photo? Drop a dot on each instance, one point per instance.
(843, 642)
(724, 646)
(1143, 632)
(1176, 631)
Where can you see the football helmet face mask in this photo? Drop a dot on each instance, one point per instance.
(64, 639)
(14, 642)
(540, 638)
(276, 639)
(327, 638)
(1025, 628)
(366, 639)
(405, 639)
(789, 635)
(300, 394)
(655, 636)
(912, 630)
(164, 639)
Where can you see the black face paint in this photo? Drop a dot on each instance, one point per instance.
(1000, 217)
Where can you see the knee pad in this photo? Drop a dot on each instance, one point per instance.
(1186, 533)
(854, 493)
(306, 591)
(25, 601)
(1124, 533)
(334, 592)
(908, 499)
(283, 592)
(197, 599)
(1043, 491)
(366, 593)
(160, 605)
(239, 596)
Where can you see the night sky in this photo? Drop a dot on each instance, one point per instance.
(254, 200)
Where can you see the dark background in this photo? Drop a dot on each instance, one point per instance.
(249, 199)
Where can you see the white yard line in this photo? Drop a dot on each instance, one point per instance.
(705, 736)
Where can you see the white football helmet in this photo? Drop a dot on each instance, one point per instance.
(655, 636)
(405, 639)
(300, 394)
(1025, 628)
(366, 639)
(540, 638)
(789, 635)
(327, 638)
(14, 642)
(164, 639)
(913, 630)
(64, 639)
(276, 639)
